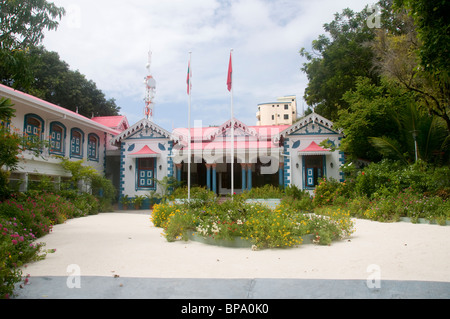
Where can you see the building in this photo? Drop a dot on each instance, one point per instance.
(279, 155)
(281, 112)
(66, 134)
(136, 156)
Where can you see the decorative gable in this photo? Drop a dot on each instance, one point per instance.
(313, 124)
(224, 130)
(144, 129)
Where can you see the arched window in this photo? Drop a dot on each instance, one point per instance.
(93, 147)
(57, 138)
(33, 130)
(34, 125)
(76, 143)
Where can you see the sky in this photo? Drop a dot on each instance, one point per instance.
(109, 40)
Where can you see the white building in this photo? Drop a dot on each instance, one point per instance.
(135, 157)
(281, 112)
(67, 133)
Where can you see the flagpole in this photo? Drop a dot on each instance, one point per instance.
(232, 130)
(189, 130)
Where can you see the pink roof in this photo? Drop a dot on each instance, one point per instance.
(145, 151)
(50, 106)
(227, 145)
(110, 121)
(314, 149)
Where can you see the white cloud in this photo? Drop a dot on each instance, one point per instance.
(108, 41)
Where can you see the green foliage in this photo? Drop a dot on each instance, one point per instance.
(100, 187)
(200, 196)
(56, 83)
(264, 192)
(337, 61)
(23, 219)
(22, 25)
(265, 228)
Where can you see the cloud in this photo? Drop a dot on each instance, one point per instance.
(108, 41)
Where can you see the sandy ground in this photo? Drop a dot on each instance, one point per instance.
(128, 245)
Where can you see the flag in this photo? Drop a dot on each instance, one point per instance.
(188, 80)
(230, 75)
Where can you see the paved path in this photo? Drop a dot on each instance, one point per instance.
(121, 255)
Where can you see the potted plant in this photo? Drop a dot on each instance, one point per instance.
(138, 201)
(154, 198)
(124, 200)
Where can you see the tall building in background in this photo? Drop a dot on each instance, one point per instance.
(281, 112)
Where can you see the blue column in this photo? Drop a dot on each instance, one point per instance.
(179, 166)
(249, 178)
(244, 173)
(208, 176)
(214, 183)
(280, 174)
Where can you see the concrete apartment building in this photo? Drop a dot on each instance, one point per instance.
(281, 112)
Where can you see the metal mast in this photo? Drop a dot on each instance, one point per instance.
(150, 90)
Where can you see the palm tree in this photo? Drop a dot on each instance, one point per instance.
(420, 136)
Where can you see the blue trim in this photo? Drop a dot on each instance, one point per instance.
(244, 177)
(154, 174)
(208, 177)
(97, 148)
(26, 125)
(249, 178)
(327, 132)
(287, 163)
(170, 165)
(62, 141)
(214, 181)
(104, 153)
(122, 171)
(76, 155)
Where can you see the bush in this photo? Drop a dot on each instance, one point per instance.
(264, 227)
(200, 196)
(265, 192)
(23, 219)
(325, 192)
(160, 214)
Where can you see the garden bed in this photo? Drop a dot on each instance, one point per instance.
(269, 202)
(237, 242)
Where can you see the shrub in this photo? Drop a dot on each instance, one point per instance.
(160, 214)
(177, 225)
(325, 192)
(265, 192)
(200, 195)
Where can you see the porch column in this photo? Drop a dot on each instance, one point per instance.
(214, 183)
(280, 174)
(179, 167)
(208, 176)
(243, 167)
(249, 176)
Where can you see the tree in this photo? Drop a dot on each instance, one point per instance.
(433, 29)
(396, 57)
(370, 114)
(336, 61)
(21, 25)
(56, 83)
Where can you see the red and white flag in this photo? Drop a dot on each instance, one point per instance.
(189, 76)
(230, 75)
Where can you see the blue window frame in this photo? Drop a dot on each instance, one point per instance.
(146, 173)
(93, 147)
(313, 170)
(33, 128)
(57, 138)
(76, 143)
